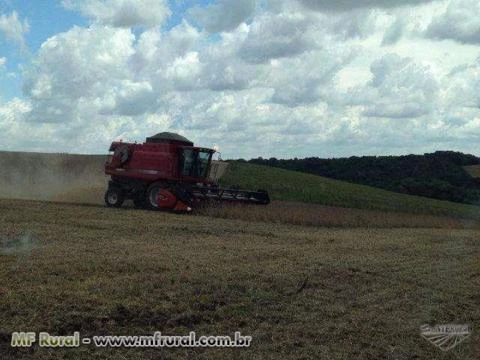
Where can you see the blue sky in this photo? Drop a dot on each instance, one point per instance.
(47, 18)
(279, 78)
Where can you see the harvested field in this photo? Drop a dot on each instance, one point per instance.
(351, 272)
(300, 292)
(285, 212)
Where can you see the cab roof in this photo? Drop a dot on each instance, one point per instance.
(169, 138)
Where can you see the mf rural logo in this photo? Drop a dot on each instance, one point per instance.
(447, 336)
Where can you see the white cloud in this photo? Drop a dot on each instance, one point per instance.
(129, 98)
(224, 15)
(460, 90)
(12, 126)
(279, 80)
(345, 5)
(460, 22)
(3, 61)
(14, 29)
(274, 36)
(399, 88)
(310, 78)
(394, 32)
(122, 13)
(75, 66)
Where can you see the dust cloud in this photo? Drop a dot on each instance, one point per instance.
(53, 177)
(61, 177)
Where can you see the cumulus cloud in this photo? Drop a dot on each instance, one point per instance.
(12, 114)
(224, 71)
(75, 66)
(274, 36)
(459, 22)
(156, 49)
(271, 74)
(310, 79)
(400, 88)
(224, 15)
(130, 98)
(122, 13)
(394, 32)
(344, 5)
(357, 24)
(14, 29)
(461, 88)
(104, 78)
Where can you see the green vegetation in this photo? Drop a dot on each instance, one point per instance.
(440, 175)
(473, 170)
(296, 186)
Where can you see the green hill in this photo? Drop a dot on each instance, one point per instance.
(440, 175)
(80, 178)
(296, 186)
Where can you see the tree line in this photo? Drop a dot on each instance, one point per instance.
(438, 175)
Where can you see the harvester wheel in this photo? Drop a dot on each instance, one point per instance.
(114, 197)
(152, 195)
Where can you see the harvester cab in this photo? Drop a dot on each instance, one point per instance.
(195, 163)
(167, 172)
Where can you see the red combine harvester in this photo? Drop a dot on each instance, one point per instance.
(167, 172)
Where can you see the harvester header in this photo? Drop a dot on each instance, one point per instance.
(167, 172)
